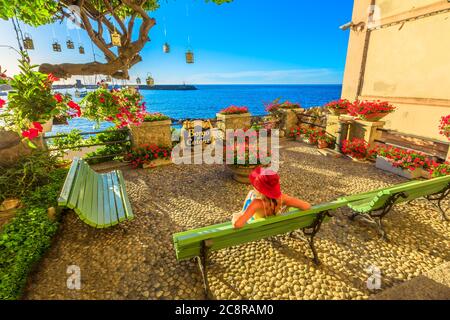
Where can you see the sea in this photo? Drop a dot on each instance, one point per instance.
(205, 102)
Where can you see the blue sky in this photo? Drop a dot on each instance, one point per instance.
(247, 41)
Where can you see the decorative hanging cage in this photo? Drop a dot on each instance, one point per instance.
(138, 80)
(56, 46)
(166, 48)
(70, 44)
(115, 39)
(189, 56)
(81, 49)
(150, 81)
(28, 42)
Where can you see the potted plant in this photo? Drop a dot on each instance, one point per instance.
(233, 118)
(149, 156)
(310, 136)
(436, 170)
(444, 126)
(244, 156)
(31, 104)
(324, 140)
(405, 163)
(356, 149)
(338, 107)
(371, 111)
(297, 133)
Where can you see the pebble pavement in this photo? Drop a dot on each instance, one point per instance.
(136, 259)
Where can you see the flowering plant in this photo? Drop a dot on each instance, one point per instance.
(156, 116)
(439, 169)
(370, 110)
(275, 105)
(246, 151)
(146, 153)
(120, 106)
(404, 159)
(340, 106)
(356, 148)
(297, 132)
(444, 126)
(234, 110)
(31, 102)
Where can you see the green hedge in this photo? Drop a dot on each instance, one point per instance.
(25, 239)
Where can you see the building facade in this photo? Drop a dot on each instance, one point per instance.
(399, 51)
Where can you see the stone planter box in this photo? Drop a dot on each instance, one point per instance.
(366, 130)
(233, 121)
(241, 173)
(157, 163)
(383, 164)
(156, 132)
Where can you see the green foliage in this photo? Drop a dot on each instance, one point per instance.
(151, 117)
(40, 12)
(27, 174)
(69, 142)
(109, 149)
(26, 238)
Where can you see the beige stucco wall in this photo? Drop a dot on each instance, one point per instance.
(407, 64)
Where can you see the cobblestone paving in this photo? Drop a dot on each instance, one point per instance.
(136, 260)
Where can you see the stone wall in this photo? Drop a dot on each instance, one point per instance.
(12, 148)
(157, 132)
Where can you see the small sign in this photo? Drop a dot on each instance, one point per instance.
(197, 132)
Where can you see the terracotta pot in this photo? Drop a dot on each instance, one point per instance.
(241, 173)
(322, 144)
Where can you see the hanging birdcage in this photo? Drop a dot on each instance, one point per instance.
(56, 46)
(81, 49)
(70, 44)
(166, 48)
(150, 81)
(115, 39)
(189, 56)
(28, 42)
(138, 80)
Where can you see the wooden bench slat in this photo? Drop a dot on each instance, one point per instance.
(100, 202)
(118, 197)
(73, 198)
(126, 201)
(81, 192)
(106, 202)
(112, 201)
(68, 183)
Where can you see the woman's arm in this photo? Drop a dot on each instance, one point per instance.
(239, 220)
(296, 203)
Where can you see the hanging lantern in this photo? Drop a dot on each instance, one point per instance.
(56, 46)
(138, 80)
(70, 44)
(28, 42)
(189, 57)
(108, 78)
(150, 81)
(81, 49)
(115, 39)
(166, 48)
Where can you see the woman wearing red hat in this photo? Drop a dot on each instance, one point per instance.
(265, 199)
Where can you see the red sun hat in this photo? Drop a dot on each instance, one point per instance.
(266, 181)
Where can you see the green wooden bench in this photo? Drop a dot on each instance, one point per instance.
(100, 200)
(199, 242)
(373, 206)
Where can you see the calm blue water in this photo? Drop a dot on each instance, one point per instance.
(209, 99)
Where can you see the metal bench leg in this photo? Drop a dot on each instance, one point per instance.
(436, 201)
(202, 264)
(312, 231)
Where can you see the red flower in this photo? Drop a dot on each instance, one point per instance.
(2, 103)
(38, 126)
(52, 78)
(58, 97)
(30, 133)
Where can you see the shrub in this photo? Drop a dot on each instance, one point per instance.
(26, 238)
(234, 110)
(146, 153)
(151, 117)
(110, 151)
(356, 148)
